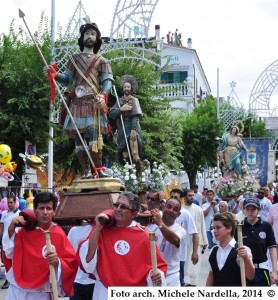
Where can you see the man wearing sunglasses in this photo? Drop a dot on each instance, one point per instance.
(154, 199)
(120, 254)
(265, 204)
(169, 236)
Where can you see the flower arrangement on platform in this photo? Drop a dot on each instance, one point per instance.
(149, 179)
(128, 177)
(156, 178)
(230, 186)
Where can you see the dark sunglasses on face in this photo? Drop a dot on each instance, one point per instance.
(152, 199)
(121, 206)
(262, 193)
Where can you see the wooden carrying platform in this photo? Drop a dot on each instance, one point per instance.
(75, 207)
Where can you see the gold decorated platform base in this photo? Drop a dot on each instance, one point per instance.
(98, 184)
(75, 207)
(86, 198)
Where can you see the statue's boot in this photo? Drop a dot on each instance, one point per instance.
(97, 159)
(84, 162)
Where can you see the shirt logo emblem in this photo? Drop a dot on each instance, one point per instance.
(121, 247)
(262, 235)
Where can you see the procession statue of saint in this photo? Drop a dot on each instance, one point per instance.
(128, 109)
(89, 78)
(229, 152)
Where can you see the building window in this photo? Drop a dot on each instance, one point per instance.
(174, 77)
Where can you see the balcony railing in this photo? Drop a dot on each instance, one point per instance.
(174, 90)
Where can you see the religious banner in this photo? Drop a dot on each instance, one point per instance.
(256, 158)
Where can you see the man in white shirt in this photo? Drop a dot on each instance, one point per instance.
(5, 221)
(83, 285)
(192, 271)
(187, 222)
(265, 204)
(197, 195)
(209, 208)
(169, 236)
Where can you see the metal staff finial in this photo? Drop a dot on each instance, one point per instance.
(22, 15)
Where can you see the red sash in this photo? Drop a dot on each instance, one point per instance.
(31, 269)
(124, 257)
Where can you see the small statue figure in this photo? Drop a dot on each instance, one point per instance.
(130, 110)
(244, 169)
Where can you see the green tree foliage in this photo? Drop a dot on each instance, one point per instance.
(199, 131)
(24, 99)
(23, 91)
(254, 127)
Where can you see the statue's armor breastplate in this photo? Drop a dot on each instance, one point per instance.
(83, 61)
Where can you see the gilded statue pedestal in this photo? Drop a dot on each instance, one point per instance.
(98, 184)
(86, 198)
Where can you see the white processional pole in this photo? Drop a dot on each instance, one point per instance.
(51, 131)
(218, 117)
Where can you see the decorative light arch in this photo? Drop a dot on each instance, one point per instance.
(262, 91)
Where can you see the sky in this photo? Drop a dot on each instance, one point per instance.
(237, 37)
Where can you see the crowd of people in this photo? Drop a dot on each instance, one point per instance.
(185, 225)
(87, 260)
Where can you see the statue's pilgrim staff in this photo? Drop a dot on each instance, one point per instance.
(122, 121)
(21, 15)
